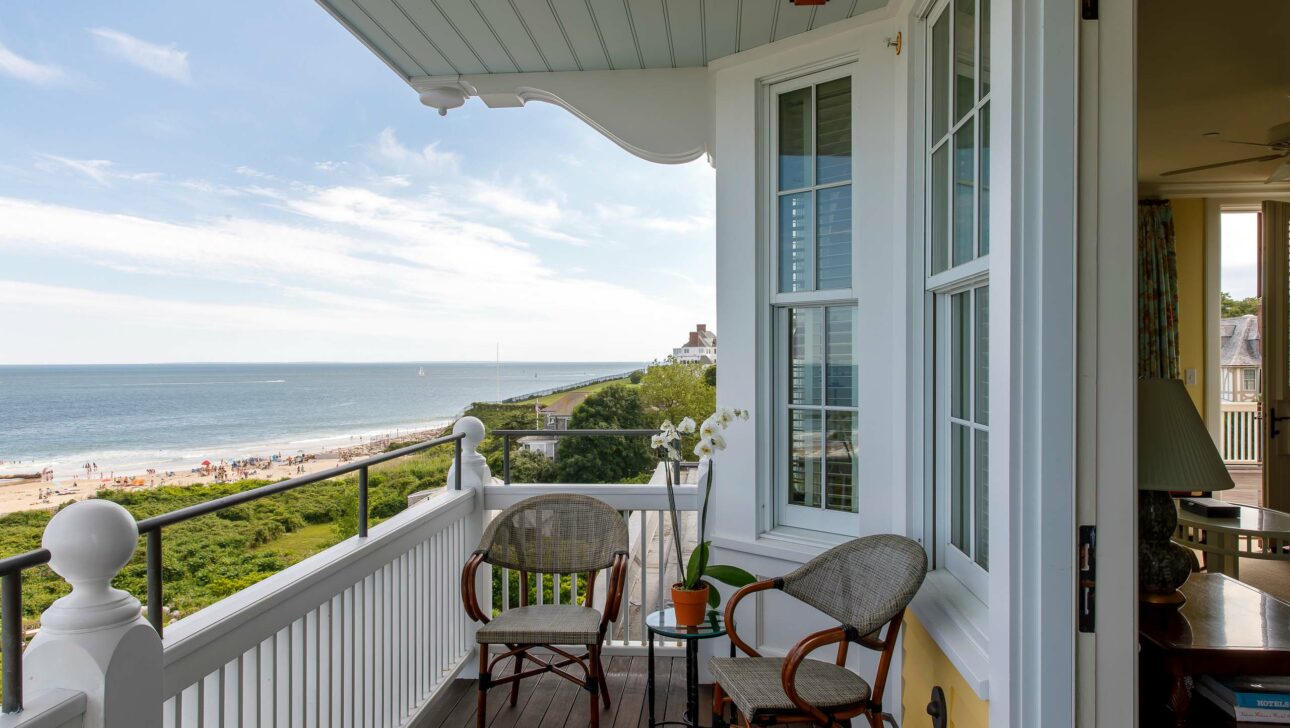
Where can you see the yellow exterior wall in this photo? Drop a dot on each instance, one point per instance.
(1189, 241)
(924, 666)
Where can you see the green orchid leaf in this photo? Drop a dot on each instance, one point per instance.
(714, 596)
(732, 575)
(694, 570)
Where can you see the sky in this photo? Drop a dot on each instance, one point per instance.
(245, 181)
(1240, 254)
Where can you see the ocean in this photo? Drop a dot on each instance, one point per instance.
(173, 416)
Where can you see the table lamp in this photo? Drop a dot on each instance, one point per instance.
(1175, 454)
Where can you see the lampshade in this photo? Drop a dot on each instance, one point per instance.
(1175, 451)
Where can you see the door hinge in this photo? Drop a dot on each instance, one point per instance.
(1086, 593)
(1088, 9)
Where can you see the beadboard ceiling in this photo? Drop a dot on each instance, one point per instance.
(448, 37)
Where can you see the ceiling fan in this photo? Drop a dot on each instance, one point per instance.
(1277, 149)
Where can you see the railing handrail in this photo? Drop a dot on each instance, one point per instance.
(579, 433)
(212, 506)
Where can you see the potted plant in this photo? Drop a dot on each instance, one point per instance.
(693, 594)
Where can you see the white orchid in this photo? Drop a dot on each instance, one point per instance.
(708, 428)
(723, 415)
(657, 441)
(742, 414)
(704, 448)
(686, 426)
(718, 442)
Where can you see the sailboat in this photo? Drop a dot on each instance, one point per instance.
(421, 371)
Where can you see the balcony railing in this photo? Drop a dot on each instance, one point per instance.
(1241, 433)
(365, 633)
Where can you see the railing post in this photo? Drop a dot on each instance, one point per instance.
(362, 502)
(506, 459)
(473, 474)
(95, 641)
(456, 461)
(155, 596)
(11, 640)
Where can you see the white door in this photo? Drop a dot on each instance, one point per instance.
(1275, 262)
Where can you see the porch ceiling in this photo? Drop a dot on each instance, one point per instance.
(420, 38)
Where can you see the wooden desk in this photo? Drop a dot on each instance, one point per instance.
(1225, 628)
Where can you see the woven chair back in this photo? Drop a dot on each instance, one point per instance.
(862, 583)
(555, 534)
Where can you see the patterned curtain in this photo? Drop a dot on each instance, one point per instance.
(1157, 291)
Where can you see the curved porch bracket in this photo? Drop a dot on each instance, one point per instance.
(661, 115)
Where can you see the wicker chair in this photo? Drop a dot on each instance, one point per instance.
(864, 584)
(549, 534)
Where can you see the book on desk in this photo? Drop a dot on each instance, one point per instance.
(1251, 699)
(1209, 507)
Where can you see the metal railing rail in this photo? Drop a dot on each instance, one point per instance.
(508, 434)
(11, 568)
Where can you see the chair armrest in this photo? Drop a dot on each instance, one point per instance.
(617, 581)
(809, 644)
(468, 596)
(730, 612)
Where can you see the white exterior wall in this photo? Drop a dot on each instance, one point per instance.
(743, 493)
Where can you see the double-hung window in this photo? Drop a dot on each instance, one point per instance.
(957, 285)
(813, 306)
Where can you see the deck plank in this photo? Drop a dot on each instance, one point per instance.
(549, 701)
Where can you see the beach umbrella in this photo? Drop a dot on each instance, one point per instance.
(206, 462)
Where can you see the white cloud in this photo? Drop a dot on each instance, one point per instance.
(427, 160)
(163, 60)
(24, 69)
(101, 171)
(252, 172)
(359, 264)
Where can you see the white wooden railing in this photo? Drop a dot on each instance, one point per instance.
(1241, 433)
(363, 634)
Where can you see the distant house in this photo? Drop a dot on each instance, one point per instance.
(1240, 358)
(701, 348)
(554, 416)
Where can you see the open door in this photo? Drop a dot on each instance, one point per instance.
(1274, 280)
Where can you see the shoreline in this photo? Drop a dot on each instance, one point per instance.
(264, 463)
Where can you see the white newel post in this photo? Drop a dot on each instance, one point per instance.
(475, 476)
(94, 640)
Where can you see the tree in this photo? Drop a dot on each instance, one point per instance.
(635, 377)
(605, 459)
(528, 466)
(710, 376)
(676, 390)
(1230, 307)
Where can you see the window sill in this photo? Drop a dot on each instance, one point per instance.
(958, 622)
(797, 545)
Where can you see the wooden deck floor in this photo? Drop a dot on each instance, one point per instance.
(552, 702)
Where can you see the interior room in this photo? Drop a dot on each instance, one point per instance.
(1213, 92)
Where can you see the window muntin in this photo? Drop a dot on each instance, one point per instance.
(813, 309)
(957, 205)
(813, 185)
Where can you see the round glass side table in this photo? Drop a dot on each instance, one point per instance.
(663, 623)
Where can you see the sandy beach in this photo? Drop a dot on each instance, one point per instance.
(270, 466)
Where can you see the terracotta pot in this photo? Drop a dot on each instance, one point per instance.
(691, 604)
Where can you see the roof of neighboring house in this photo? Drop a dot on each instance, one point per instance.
(700, 337)
(566, 404)
(1239, 343)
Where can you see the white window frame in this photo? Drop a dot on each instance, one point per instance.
(938, 289)
(785, 515)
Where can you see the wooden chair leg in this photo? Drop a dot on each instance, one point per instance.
(718, 715)
(604, 684)
(593, 675)
(481, 708)
(515, 686)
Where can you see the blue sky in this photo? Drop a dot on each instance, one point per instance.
(244, 181)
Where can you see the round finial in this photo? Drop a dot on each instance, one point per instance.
(90, 540)
(473, 429)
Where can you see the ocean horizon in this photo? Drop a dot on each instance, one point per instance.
(126, 417)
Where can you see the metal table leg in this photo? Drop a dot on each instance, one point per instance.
(651, 678)
(692, 682)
